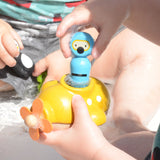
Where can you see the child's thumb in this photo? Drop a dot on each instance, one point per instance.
(80, 110)
(101, 42)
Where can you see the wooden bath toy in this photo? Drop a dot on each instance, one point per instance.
(53, 104)
(24, 65)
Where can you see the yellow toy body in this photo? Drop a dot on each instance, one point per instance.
(56, 97)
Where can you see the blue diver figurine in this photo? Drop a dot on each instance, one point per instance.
(81, 46)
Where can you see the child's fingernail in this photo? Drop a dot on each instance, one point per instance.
(58, 33)
(17, 45)
(75, 97)
(95, 54)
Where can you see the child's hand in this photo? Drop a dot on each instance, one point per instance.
(82, 140)
(55, 64)
(105, 15)
(8, 47)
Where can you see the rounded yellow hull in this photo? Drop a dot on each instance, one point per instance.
(56, 97)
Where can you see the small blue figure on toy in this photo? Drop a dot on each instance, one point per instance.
(81, 46)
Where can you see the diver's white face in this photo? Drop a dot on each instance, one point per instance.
(80, 47)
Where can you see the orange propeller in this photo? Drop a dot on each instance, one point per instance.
(34, 119)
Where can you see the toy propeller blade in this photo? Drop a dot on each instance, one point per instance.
(46, 126)
(37, 106)
(24, 111)
(34, 133)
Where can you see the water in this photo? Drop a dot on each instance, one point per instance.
(9, 109)
(15, 143)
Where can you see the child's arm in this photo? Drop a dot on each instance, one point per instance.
(106, 17)
(109, 152)
(8, 47)
(83, 140)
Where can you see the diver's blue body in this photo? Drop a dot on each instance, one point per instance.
(81, 46)
(80, 69)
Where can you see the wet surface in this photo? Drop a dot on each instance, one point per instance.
(15, 142)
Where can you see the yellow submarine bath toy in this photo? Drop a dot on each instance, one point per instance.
(53, 104)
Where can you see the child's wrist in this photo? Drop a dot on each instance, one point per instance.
(108, 151)
(101, 152)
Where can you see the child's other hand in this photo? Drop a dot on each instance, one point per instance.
(82, 140)
(8, 47)
(105, 15)
(55, 64)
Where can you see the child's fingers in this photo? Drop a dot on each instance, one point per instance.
(103, 39)
(10, 45)
(52, 138)
(49, 77)
(75, 18)
(17, 38)
(64, 45)
(81, 114)
(2, 64)
(40, 67)
(100, 45)
(6, 57)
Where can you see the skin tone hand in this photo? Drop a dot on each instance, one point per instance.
(69, 142)
(8, 47)
(107, 16)
(94, 16)
(83, 140)
(55, 64)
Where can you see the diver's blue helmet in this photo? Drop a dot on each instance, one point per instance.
(81, 44)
